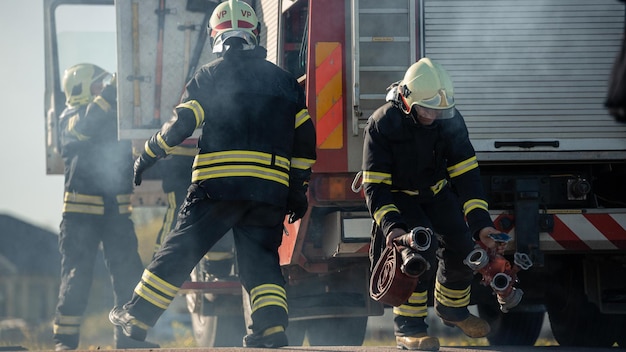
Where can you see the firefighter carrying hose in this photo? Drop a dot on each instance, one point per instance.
(416, 148)
(254, 162)
(96, 202)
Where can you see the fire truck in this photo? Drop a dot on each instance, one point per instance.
(530, 79)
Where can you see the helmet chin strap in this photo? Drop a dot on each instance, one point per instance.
(404, 105)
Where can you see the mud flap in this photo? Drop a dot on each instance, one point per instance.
(527, 218)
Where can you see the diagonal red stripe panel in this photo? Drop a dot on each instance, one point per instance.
(328, 68)
(613, 231)
(329, 122)
(566, 237)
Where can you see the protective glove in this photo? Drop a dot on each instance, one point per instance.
(486, 236)
(393, 234)
(142, 163)
(297, 204)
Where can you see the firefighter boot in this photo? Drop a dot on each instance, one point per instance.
(65, 342)
(273, 337)
(471, 326)
(124, 342)
(418, 342)
(130, 325)
(61, 346)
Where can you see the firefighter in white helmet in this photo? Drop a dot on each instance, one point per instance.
(416, 148)
(253, 166)
(96, 202)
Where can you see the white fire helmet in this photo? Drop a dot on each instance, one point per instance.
(230, 19)
(427, 85)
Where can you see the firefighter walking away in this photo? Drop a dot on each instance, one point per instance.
(255, 155)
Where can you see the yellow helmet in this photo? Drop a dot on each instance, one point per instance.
(427, 84)
(233, 19)
(77, 81)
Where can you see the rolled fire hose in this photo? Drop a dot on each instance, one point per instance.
(397, 271)
(388, 284)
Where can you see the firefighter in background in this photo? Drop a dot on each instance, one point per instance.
(254, 162)
(175, 174)
(415, 144)
(96, 202)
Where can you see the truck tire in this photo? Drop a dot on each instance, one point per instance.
(621, 337)
(218, 331)
(515, 328)
(337, 331)
(212, 325)
(296, 332)
(574, 320)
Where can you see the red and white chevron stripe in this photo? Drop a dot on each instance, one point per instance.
(580, 231)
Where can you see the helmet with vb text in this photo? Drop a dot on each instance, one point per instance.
(233, 19)
(78, 81)
(427, 84)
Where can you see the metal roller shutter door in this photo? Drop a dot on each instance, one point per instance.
(529, 70)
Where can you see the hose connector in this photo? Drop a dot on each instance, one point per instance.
(511, 300)
(477, 259)
(413, 264)
(409, 246)
(419, 239)
(498, 273)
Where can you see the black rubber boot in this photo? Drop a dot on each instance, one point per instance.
(129, 325)
(124, 342)
(274, 337)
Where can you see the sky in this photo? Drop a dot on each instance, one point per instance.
(26, 192)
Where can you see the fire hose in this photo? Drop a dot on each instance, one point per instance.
(498, 273)
(398, 269)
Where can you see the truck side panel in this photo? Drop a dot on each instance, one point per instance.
(530, 76)
(184, 31)
(325, 83)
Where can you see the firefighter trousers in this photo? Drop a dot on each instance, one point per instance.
(448, 278)
(175, 173)
(80, 238)
(202, 222)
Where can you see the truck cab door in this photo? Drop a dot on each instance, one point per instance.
(74, 32)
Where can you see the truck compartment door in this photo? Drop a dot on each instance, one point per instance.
(528, 75)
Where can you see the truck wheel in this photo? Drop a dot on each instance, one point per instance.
(512, 328)
(337, 331)
(621, 337)
(217, 330)
(574, 320)
(212, 327)
(295, 332)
